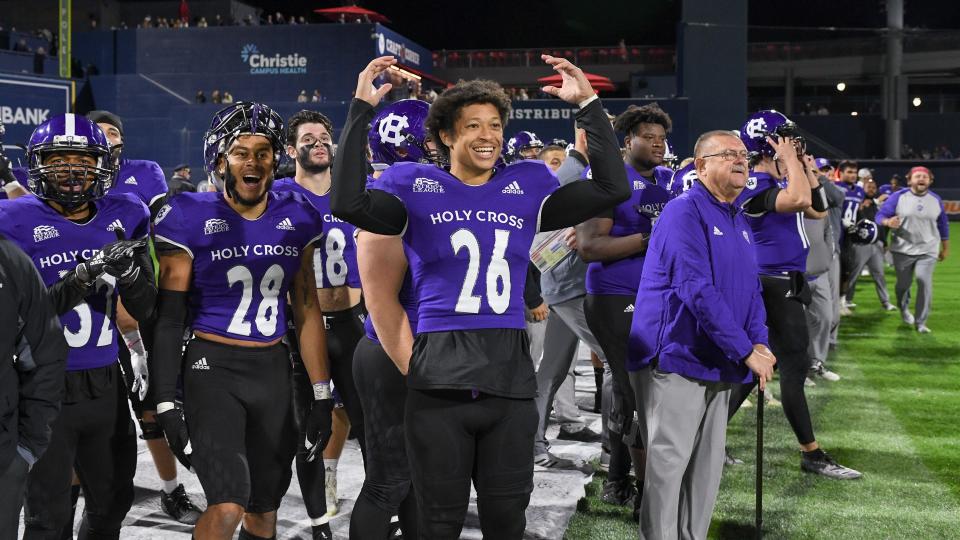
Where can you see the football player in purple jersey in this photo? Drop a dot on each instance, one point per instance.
(72, 219)
(614, 244)
(523, 145)
(853, 196)
(780, 191)
(145, 179)
(380, 373)
(233, 257)
(470, 413)
(309, 141)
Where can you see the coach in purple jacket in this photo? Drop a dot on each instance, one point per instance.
(698, 329)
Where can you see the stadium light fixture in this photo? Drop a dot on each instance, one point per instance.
(917, 101)
(841, 86)
(854, 113)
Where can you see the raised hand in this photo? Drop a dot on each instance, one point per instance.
(365, 88)
(575, 87)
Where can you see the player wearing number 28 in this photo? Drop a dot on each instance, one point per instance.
(467, 233)
(70, 230)
(233, 256)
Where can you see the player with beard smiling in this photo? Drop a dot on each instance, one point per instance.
(309, 142)
(233, 257)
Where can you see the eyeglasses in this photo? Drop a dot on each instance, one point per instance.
(730, 155)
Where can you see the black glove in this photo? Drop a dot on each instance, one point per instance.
(6, 175)
(175, 429)
(88, 271)
(318, 428)
(120, 258)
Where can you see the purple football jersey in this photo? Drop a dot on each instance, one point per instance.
(143, 178)
(853, 196)
(335, 260)
(242, 268)
(469, 246)
(635, 215)
(56, 245)
(780, 239)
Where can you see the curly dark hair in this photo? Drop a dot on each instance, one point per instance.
(306, 117)
(445, 110)
(651, 113)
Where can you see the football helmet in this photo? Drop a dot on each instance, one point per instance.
(59, 182)
(762, 124)
(397, 133)
(523, 140)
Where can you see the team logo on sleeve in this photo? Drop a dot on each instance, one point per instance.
(162, 214)
(513, 189)
(752, 182)
(638, 185)
(44, 232)
(426, 185)
(286, 225)
(215, 225)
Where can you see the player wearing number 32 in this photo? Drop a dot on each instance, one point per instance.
(467, 233)
(72, 220)
(233, 256)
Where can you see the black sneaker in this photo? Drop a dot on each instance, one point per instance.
(821, 463)
(395, 532)
(550, 461)
(618, 493)
(179, 506)
(322, 532)
(585, 434)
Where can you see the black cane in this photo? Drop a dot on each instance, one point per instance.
(759, 465)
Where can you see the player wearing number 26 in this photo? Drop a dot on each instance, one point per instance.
(467, 233)
(233, 256)
(70, 230)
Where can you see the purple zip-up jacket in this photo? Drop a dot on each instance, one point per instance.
(699, 309)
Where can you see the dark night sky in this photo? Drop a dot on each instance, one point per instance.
(541, 23)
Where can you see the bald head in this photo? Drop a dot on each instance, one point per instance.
(708, 142)
(721, 164)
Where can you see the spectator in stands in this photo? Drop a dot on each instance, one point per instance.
(21, 46)
(215, 96)
(227, 97)
(522, 94)
(302, 97)
(218, 20)
(822, 110)
(39, 58)
(269, 20)
(200, 97)
(316, 97)
(906, 152)
(280, 18)
(202, 23)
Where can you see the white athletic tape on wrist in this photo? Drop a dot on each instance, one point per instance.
(165, 406)
(321, 390)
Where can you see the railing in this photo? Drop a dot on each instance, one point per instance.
(661, 56)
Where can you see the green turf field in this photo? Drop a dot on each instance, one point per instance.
(893, 416)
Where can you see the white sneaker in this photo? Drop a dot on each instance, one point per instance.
(821, 371)
(907, 317)
(809, 383)
(330, 483)
(864, 273)
(845, 311)
(922, 328)
(889, 307)
(849, 304)
(746, 404)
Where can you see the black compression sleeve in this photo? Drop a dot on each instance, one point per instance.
(67, 293)
(532, 297)
(167, 350)
(579, 201)
(818, 199)
(371, 210)
(762, 203)
(139, 297)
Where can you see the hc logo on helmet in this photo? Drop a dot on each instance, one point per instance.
(756, 128)
(391, 129)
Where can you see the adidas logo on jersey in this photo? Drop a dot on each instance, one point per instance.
(638, 185)
(286, 225)
(628, 309)
(716, 231)
(215, 225)
(44, 232)
(132, 181)
(116, 224)
(201, 364)
(426, 185)
(513, 188)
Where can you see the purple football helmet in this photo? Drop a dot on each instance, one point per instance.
(74, 134)
(682, 180)
(865, 232)
(770, 123)
(668, 156)
(397, 133)
(522, 141)
(241, 118)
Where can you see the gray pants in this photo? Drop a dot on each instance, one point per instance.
(686, 433)
(565, 318)
(834, 279)
(820, 318)
(871, 257)
(564, 402)
(922, 266)
(12, 483)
